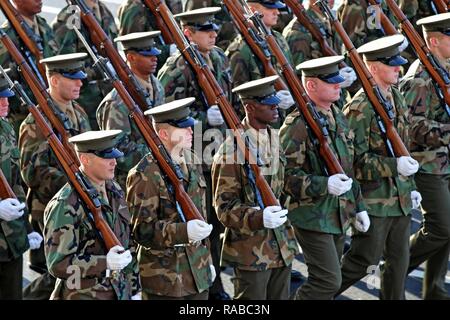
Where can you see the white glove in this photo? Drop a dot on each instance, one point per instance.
(416, 199)
(137, 296)
(362, 221)
(339, 184)
(213, 272)
(404, 45)
(274, 216)
(172, 49)
(286, 99)
(214, 116)
(34, 239)
(198, 230)
(11, 209)
(116, 260)
(407, 166)
(349, 75)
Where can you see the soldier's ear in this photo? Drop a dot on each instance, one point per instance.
(311, 85)
(54, 80)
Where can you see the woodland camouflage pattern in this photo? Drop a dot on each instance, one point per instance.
(113, 114)
(386, 193)
(302, 44)
(180, 82)
(38, 165)
(430, 124)
(13, 234)
(72, 242)
(310, 205)
(248, 245)
(165, 268)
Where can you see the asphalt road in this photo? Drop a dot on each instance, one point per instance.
(363, 290)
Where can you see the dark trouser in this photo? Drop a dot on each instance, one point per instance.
(11, 279)
(388, 237)
(214, 237)
(199, 296)
(271, 284)
(432, 242)
(322, 252)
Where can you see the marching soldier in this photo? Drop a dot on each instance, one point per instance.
(180, 82)
(245, 67)
(304, 47)
(112, 113)
(174, 257)
(16, 233)
(387, 182)
(178, 79)
(94, 88)
(134, 16)
(72, 244)
(259, 243)
(227, 32)
(430, 134)
(29, 10)
(39, 168)
(321, 206)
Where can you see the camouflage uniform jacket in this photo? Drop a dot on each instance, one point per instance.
(354, 18)
(50, 48)
(430, 124)
(73, 247)
(310, 205)
(168, 264)
(13, 234)
(303, 45)
(386, 193)
(244, 66)
(38, 165)
(248, 245)
(112, 114)
(134, 16)
(180, 82)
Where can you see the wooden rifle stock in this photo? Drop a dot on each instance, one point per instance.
(256, 44)
(25, 33)
(214, 94)
(439, 75)
(173, 172)
(370, 87)
(300, 12)
(87, 193)
(40, 93)
(5, 189)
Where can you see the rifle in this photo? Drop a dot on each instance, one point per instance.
(32, 41)
(185, 207)
(5, 189)
(317, 32)
(58, 120)
(382, 107)
(441, 6)
(106, 48)
(85, 190)
(215, 95)
(440, 76)
(315, 122)
(257, 44)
